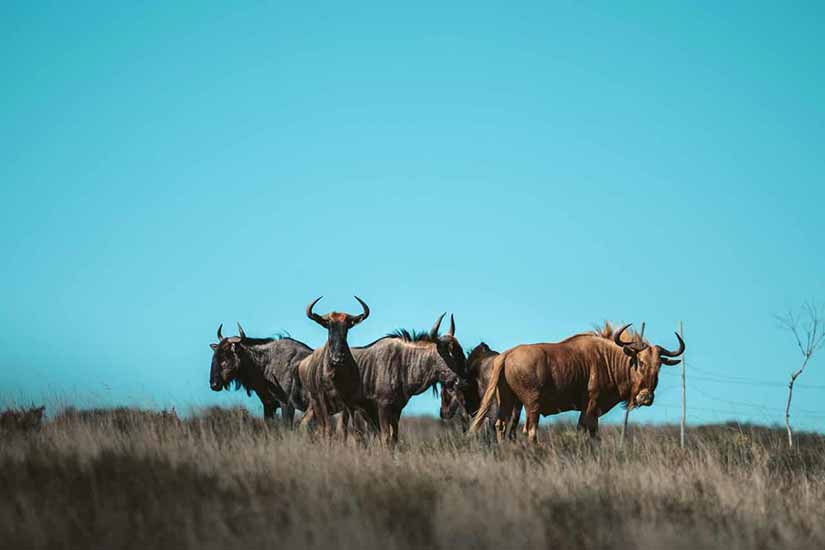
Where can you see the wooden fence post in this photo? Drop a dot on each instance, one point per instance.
(629, 405)
(684, 401)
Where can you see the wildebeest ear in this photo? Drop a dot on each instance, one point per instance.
(628, 351)
(670, 362)
(213, 346)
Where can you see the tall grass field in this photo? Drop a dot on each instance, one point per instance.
(127, 478)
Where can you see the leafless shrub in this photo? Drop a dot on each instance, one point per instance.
(21, 420)
(808, 329)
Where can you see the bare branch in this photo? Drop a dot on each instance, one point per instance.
(809, 321)
(790, 323)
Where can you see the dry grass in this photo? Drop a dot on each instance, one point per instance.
(222, 479)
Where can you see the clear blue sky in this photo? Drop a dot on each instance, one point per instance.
(168, 167)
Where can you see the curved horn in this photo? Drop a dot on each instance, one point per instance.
(314, 316)
(241, 332)
(667, 353)
(436, 326)
(220, 336)
(451, 332)
(355, 319)
(629, 347)
(617, 336)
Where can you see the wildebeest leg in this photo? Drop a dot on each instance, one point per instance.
(345, 420)
(589, 419)
(514, 418)
(269, 410)
(308, 417)
(505, 409)
(532, 422)
(325, 418)
(320, 414)
(288, 414)
(384, 420)
(395, 419)
(491, 427)
(370, 421)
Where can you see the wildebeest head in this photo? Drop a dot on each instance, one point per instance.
(226, 361)
(452, 403)
(449, 349)
(645, 362)
(467, 401)
(337, 325)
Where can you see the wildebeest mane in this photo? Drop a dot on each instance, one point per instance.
(404, 335)
(258, 341)
(606, 331)
(412, 335)
(290, 338)
(278, 336)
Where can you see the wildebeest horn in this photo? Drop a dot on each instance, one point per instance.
(355, 319)
(451, 332)
(634, 346)
(241, 332)
(220, 336)
(314, 316)
(617, 336)
(436, 326)
(677, 353)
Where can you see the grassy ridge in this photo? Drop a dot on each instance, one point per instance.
(223, 479)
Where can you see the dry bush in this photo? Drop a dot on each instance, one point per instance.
(21, 420)
(223, 479)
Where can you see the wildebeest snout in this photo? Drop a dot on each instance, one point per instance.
(644, 398)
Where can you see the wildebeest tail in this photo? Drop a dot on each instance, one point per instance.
(489, 394)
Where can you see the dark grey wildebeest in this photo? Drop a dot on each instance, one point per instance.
(400, 365)
(329, 374)
(266, 366)
(467, 402)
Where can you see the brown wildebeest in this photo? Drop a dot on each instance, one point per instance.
(468, 400)
(586, 372)
(330, 374)
(263, 365)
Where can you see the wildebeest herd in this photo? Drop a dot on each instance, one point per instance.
(370, 385)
